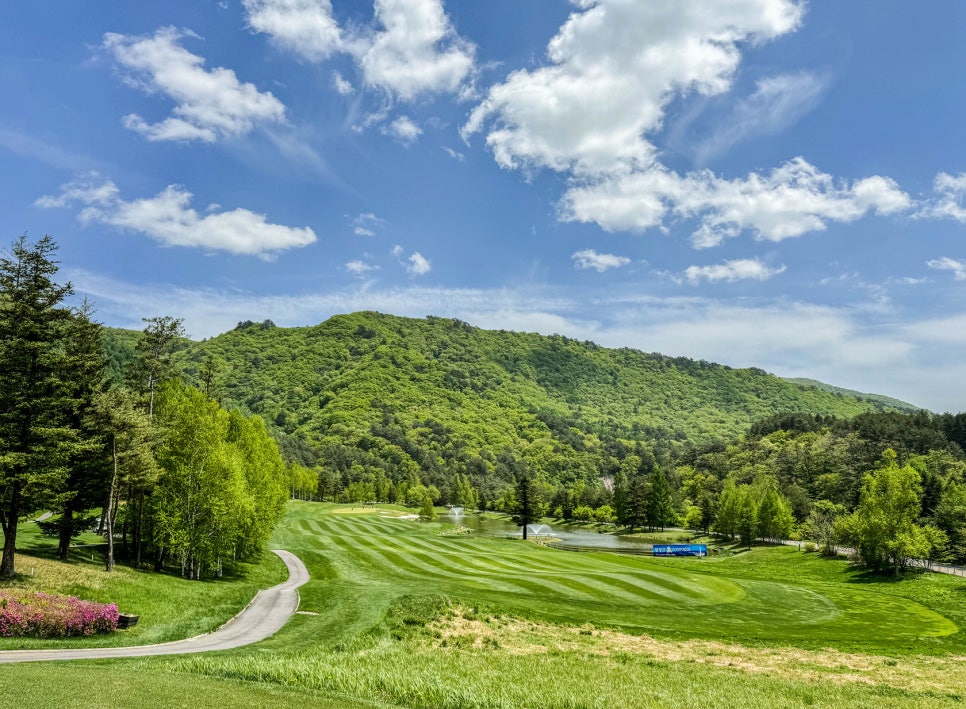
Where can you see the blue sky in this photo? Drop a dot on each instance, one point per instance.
(754, 182)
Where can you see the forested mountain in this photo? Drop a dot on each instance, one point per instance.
(435, 397)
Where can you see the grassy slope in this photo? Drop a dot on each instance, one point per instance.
(384, 589)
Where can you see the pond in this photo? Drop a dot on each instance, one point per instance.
(575, 536)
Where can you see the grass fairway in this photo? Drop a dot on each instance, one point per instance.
(399, 615)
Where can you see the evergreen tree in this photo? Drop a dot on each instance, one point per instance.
(525, 506)
(660, 502)
(83, 378)
(35, 436)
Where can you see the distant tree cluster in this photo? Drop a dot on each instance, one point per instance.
(152, 463)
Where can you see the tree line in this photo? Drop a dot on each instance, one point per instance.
(167, 475)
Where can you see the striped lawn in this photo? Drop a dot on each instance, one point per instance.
(686, 597)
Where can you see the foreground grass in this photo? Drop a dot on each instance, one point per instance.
(401, 616)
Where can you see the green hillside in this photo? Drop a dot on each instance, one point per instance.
(437, 396)
(880, 400)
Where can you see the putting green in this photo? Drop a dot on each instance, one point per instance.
(694, 598)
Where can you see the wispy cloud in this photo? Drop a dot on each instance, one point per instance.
(945, 263)
(731, 271)
(776, 103)
(588, 258)
(846, 345)
(169, 219)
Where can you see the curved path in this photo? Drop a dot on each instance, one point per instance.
(262, 618)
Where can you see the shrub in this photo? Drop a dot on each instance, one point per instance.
(44, 615)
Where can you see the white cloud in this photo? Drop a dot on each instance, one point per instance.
(417, 51)
(359, 267)
(948, 203)
(366, 224)
(404, 130)
(455, 154)
(342, 86)
(169, 219)
(948, 264)
(593, 110)
(613, 69)
(588, 258)
(731, 271)
(418, 265)
(413, 48)
(210, 104)
(791, 200)
(305, 27)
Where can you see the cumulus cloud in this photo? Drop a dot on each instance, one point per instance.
(415, 264)
(418, 265)
(305, 27)
(417, 51)
(169, 219)
(948, 264)
(412, 50)
(588, 258)
(209, 104)
(791, 200)
(612, 70)
(731, 271)
(593, 110)
(404, 130)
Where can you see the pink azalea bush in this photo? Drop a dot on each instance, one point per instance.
(45, 615)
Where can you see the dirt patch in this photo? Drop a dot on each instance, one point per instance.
(470, 631)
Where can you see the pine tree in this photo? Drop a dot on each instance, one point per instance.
(525, 508)
(660, 502)
(34, 432)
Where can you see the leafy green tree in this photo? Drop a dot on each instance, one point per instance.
(130, 440)
(746, 521)
(884, 529)
(34, 435)
(774, 520)
(604, 514)
(823, 525)
(950, 517)
(427, 512)
(726, 520)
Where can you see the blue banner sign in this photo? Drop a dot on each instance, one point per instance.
(680, 550)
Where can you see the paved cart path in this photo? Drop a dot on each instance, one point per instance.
(263, 617)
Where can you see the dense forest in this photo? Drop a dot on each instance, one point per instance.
(375, 398)
(404, 410)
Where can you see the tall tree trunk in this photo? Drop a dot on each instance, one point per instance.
(66, 530)
(109, 560)
(8, 520)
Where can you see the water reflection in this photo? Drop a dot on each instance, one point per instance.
(567, 534)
